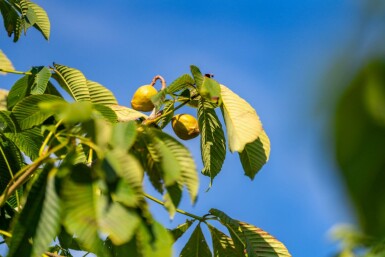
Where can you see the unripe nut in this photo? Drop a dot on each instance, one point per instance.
(185, 126)
(141, 100)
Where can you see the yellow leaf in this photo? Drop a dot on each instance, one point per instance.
(242, 122)
(126, 114)
(5, 63)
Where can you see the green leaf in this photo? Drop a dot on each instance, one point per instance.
(210, 90)
(124, 135)
(28, 141)
(51, 90)
(256, 242)
(255, 155)
(180, 83)
(126, 114)
(41, 77)
(181, 229)
(223, 246)
(49, 220)
(198, 77)
(119, 223)
(213, 142)
(42, 22)
(10, 17)
(178, 152)
(8, 122)
(105, 112)
(25, 226)
(79, 206)
(196, 245)
(160, 245)
(28, 113)
(168, 108)
(18, 91)
(73, 81)
(159, 98)
(99, 94)
(242, 122)
(5, 63)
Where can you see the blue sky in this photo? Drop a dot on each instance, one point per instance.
(272, 53)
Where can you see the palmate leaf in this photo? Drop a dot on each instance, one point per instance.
(256, 242)
(49, 220)
(5, 63)
(28, 141)
(255, 155)
(196, 245)
(27, 111)
(223, 246)
(181, 229)
(25, 226)
(242, 122)
(213, 142)
(73, 81)
(79, 207)
(99, 94)
(42, 22)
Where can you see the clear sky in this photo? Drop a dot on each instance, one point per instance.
(273, 53)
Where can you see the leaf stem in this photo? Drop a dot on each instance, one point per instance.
(5, 233)
(158, 77)
(16, 72)
(41, 151)
(23, 175)
(201, 219)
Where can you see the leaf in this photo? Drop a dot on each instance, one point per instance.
(42, 22)
(105, 112)
(242, 122)
(27, 111)
(196, 245)
(198, 77)
(180, 83)
(28, 141)
(213, 142)
(79, 203)
(49, 220)
(124, 135)
(3, 99)
(181, 229)
(41, 77)
(10, 17)
(158, 246)
(119, 223)
(126, 114)
(99, 94)
(255, 155)
(168, 108)
(73, 81)
(256, 242)
(7, 121)
(25, 225)
(223, 246)
(5, 63)
(18, 91)
(181, 154)
(210, 90)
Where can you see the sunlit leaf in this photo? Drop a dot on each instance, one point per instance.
(126, 114)
(210, 90)
(255, 155)
(181, 229)
(180, 83)
(168, 108)
(256, 242)
(5, 63)
(105, 113)
(198, 77)
(242, 122)
(223, 246)
(73, 81)
(28, 141)
(196, 245)
(124, 135)
(18, 91)
(213, 143)
(99, 94)
(42, 22)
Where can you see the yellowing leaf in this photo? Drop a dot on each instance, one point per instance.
(125, 113)
(5, 63)
(242, 122)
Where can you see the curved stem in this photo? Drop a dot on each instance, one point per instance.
(16, 72)
(158, 77)
(177, 210)
(49, 136)
(5, 233)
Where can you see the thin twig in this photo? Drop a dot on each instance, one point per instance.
(15, 72)
(53, 254)
(158, 77)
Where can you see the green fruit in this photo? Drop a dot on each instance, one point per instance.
(185, 126)
(141, 101)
